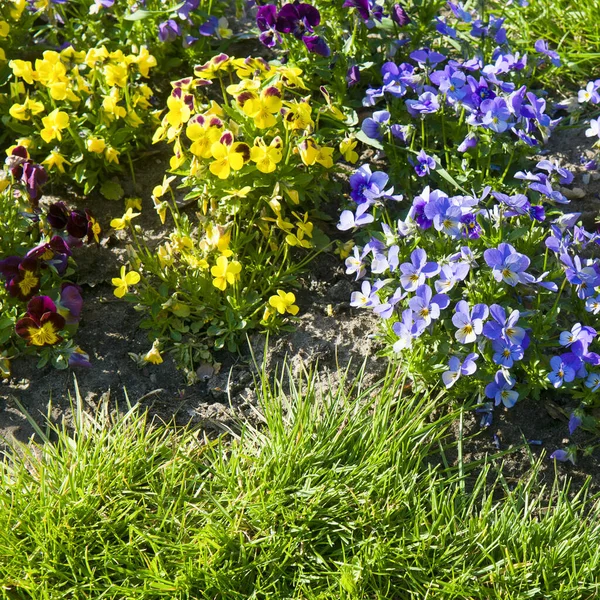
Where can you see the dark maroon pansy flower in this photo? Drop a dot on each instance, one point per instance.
(9, 267)
(27, 280)
(42, 323)
(58, 215)
(77, 224)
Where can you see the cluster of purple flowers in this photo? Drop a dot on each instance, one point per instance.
(491, 339)
(487, 95)
(298, 19)
(25, 275)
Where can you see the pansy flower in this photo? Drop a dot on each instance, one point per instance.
(407, 329)
(456, 368)
(500, 390)
(508, 265)
(42, 324)
(561, 372)
(367, 297)
(228, 155)
(417, 270)
(264, 108)
(426, 306)
(22, 276)
(266, 20)
(469, 323)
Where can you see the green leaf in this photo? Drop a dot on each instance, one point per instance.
(112, 190)
(365, 139)
(445, 175)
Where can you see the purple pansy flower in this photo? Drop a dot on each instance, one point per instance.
(426, 306)
(456, 369)
(593, 382)
(564, 455)
(417, 270)
(427, 58)
(266, 20)
(367, 297)
(500, 390)
(505, 327)
(541, 46)
(407, 329)
(348, 220)
(353, 75)
(506, 353)
(469, 323)
(508, 265)
(297, 18)
(372, 127)
(424, 164)
(168, 30)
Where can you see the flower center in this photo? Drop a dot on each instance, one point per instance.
(28, 283)
(45, 335)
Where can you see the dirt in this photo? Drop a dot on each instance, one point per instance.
(329, 335)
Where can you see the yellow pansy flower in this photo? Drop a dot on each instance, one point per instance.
(179, 111)
(203, 132)
(264, 108)
(311, 152)
(55, 159)
(153, 355)
(228, 156)
(54, 123)
(96, 145)
(110, 104)
(284, 302)
(131, 203)
(122, 283)
(116, 75)
(112, 155)
(291, 77)
(133, 120)
(95, 228)
(165, 256)
(4, 29)
(144, 61)
(18, 8)
(22, 69)
(266, 157)
(23, 112)
(347, 146)
(95, 56)
(50, 69)
(225, 272)
(122, 222)
(296, 115)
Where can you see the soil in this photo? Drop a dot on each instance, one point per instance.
(329, 334)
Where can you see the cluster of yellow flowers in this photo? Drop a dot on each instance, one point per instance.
(72, 91)
(10, 12)
(206, 132)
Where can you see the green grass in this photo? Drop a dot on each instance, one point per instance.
(339, 496)
(571, 28)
